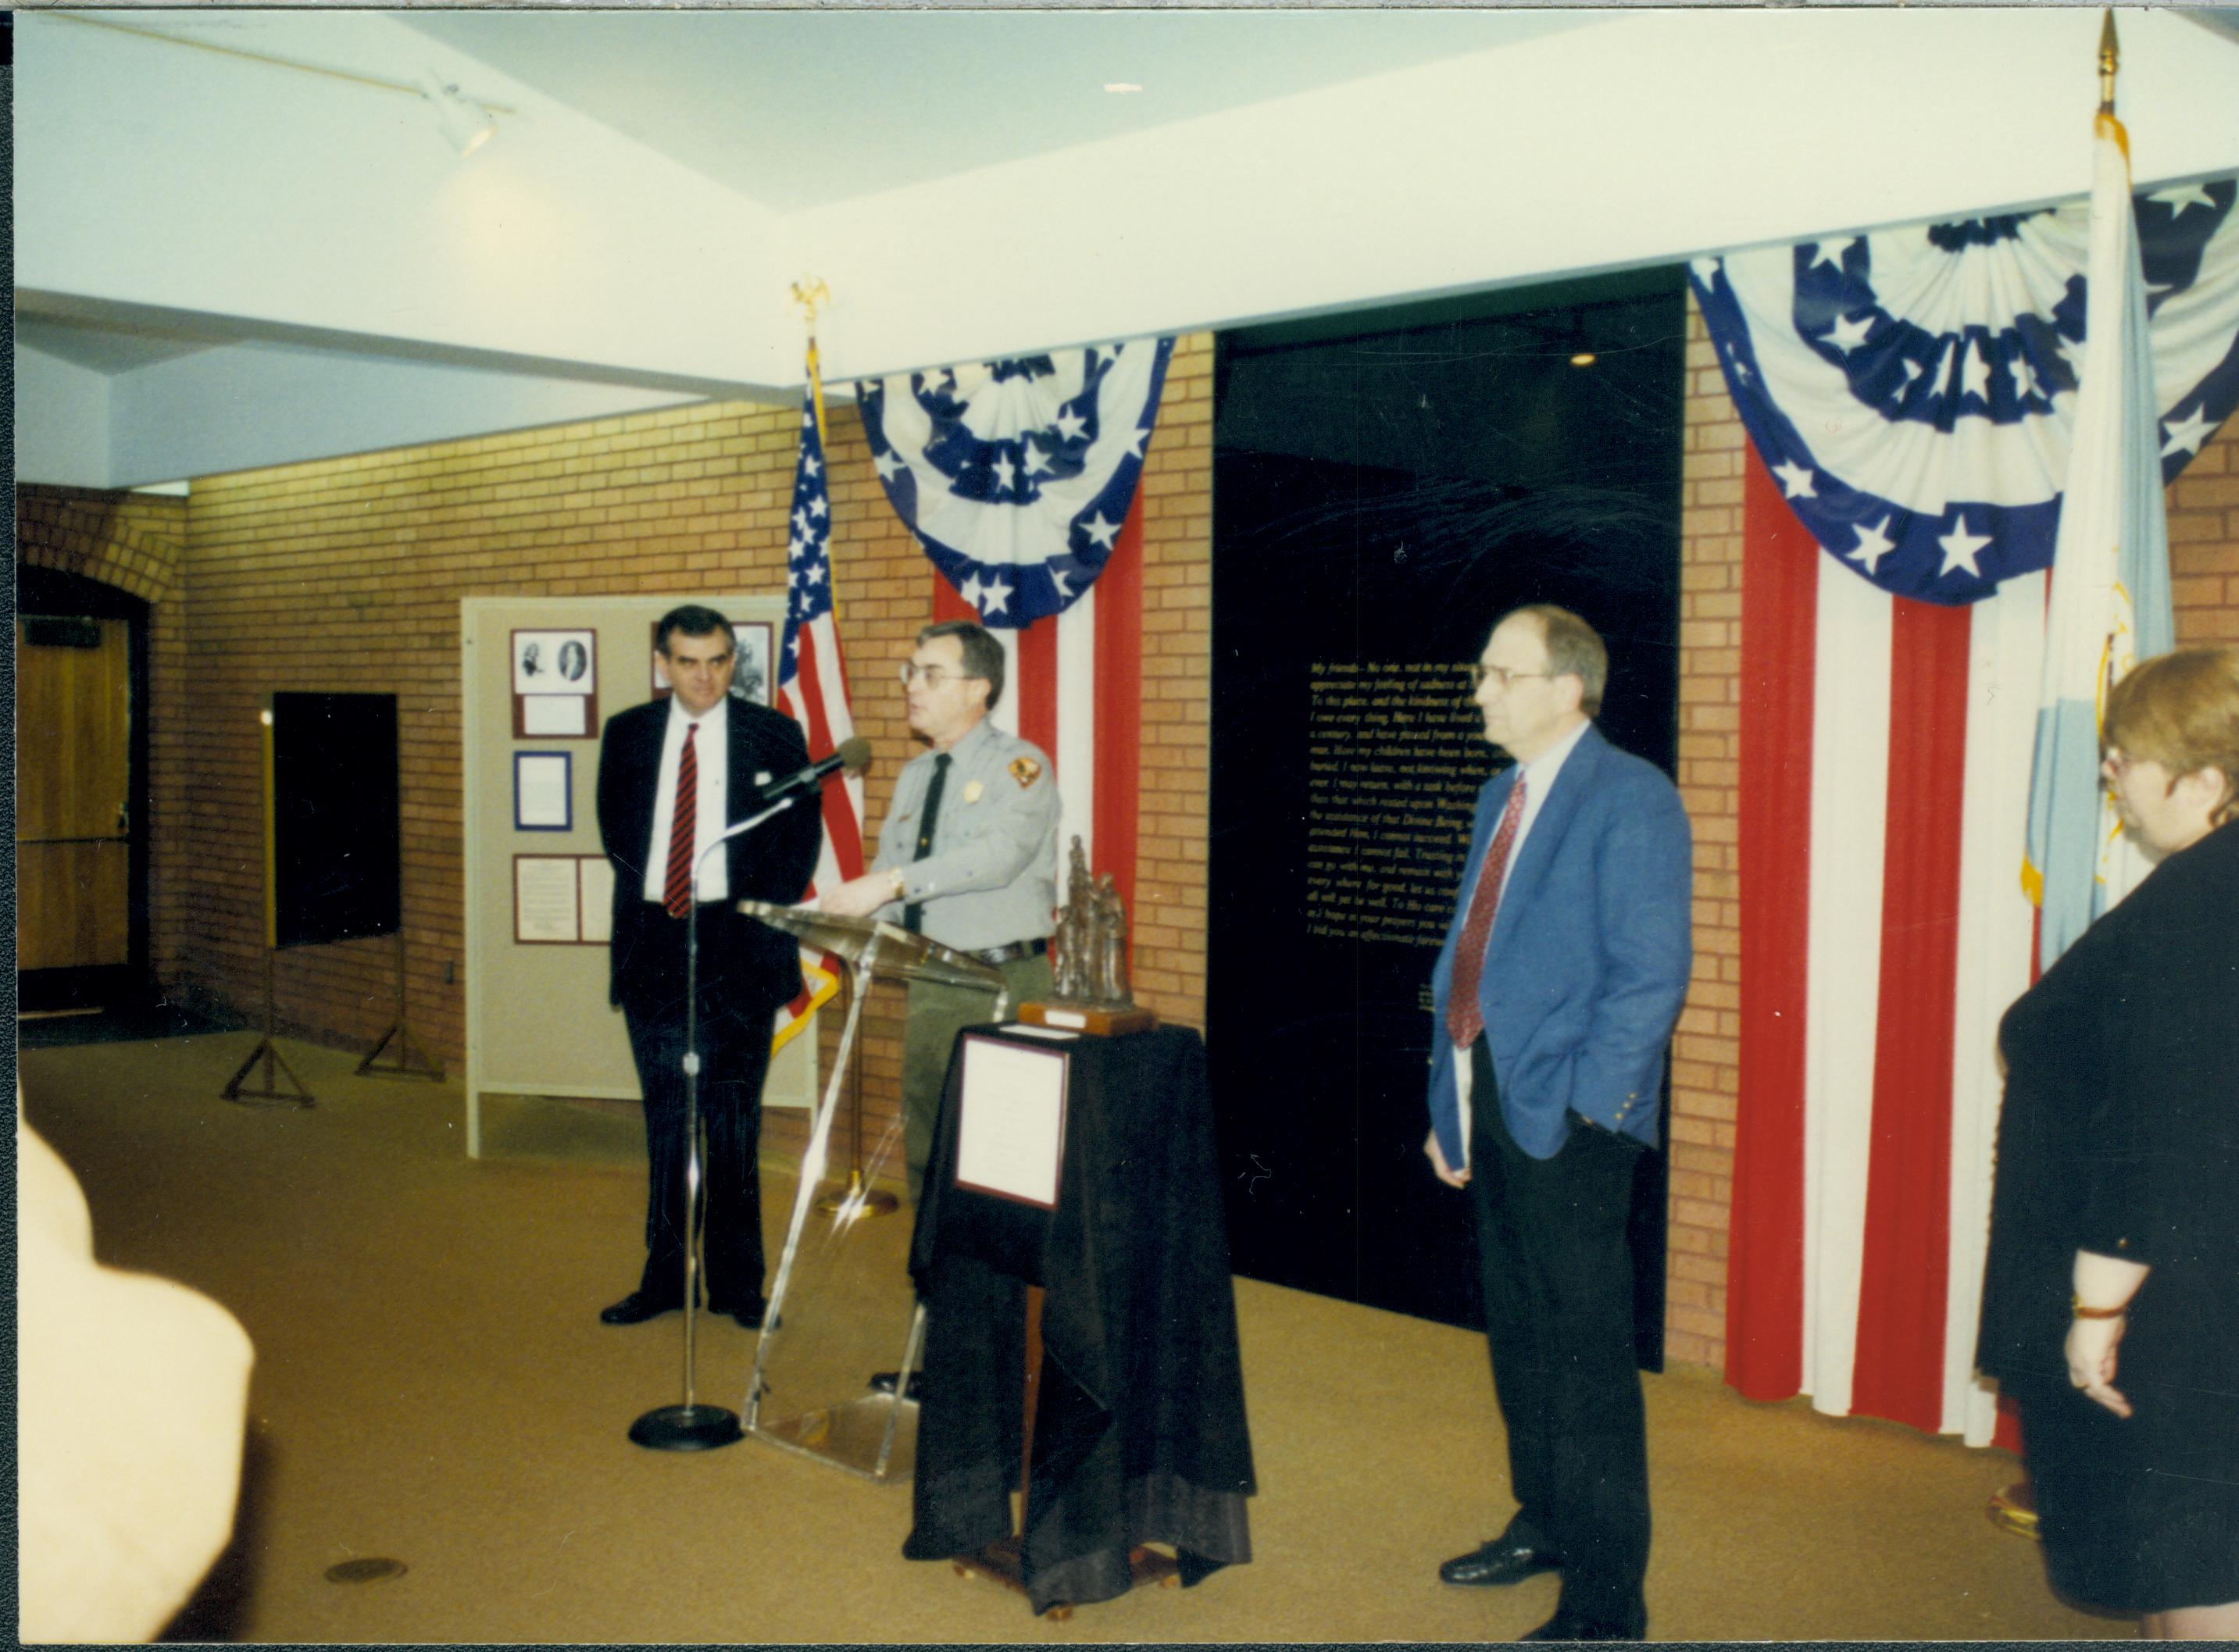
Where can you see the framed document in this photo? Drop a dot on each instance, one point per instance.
(543, 794)
(546, 901)
(594, 875)
(1010, 1121)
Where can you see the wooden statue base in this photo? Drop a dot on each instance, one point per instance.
(1000, 1562)
(1095, 1021)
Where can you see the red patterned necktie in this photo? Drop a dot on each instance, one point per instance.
(684, 832)
(1464, 1020)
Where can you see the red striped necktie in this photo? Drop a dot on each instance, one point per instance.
(684, 832)
(1464, 1020)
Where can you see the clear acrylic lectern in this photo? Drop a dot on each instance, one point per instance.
(839, 1279)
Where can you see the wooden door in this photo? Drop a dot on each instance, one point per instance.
(73, 791)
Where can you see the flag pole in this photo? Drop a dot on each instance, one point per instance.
(810, 293)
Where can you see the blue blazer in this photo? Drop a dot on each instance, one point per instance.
(1588, 961)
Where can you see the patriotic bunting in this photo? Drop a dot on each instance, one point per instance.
(1913, 390)
(1913, 397)
(1016, 476)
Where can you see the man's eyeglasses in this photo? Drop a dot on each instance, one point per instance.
(1508, 679)
(931, 676)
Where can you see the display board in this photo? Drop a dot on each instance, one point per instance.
(337, 855)
(538, 676)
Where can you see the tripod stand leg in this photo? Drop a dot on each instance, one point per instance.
(267, 1052)
(412, 1062)
(270, 1094)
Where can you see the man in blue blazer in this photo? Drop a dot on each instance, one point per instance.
(1555, 996)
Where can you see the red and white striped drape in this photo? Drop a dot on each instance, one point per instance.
(1884, 774)
(1075, 690)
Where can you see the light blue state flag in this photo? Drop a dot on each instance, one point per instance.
(2110, 584)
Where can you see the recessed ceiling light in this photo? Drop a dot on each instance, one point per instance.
(1121, 86)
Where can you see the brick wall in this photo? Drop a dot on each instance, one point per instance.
(346, 573)
(1705, 1074)
(2203, 530)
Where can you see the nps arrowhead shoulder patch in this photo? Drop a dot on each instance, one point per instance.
(1025, 771)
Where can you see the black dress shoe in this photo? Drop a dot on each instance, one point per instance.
(750, 1317)
(1566, 1625)
(636, 1307)
(1509, 1558)
(883, 1382)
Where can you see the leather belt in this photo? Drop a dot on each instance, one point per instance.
(1011, 954)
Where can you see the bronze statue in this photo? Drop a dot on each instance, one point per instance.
(1111, 945)
(1089, 975)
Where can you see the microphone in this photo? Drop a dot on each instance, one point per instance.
(854, 755)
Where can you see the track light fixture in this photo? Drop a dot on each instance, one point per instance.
(465, 124)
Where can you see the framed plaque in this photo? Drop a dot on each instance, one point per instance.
(1010, 1124)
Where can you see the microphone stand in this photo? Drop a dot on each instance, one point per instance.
(691, 1426)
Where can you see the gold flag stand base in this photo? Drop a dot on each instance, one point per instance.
(2014, 1508)
(872, 1202)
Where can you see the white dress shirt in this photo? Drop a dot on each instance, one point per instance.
(711, 746)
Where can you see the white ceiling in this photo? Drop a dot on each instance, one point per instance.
(797, 109)
(201, 229)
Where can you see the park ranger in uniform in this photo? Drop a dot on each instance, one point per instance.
(967, 857)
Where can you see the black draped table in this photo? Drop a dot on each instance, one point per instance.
(1140, 1432)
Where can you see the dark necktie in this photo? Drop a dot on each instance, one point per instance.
(1464, 1020)
(684, 832)
(914, 914)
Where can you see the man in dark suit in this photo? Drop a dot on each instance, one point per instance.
(672, 775)
(1555, 997)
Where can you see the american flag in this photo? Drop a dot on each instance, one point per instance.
(811, 686)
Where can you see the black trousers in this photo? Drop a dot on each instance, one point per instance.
(1558, 1317)
(734, 1048)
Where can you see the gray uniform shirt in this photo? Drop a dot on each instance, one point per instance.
(991, 877)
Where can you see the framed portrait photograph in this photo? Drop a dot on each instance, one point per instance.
(555, 684)
(755, 679)
(555, 662)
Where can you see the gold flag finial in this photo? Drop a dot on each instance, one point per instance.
(2110, 57)
(809, 292)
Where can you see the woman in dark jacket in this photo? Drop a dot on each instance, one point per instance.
(2110, 1309)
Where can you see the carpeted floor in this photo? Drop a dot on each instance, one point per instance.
(433, 1386)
